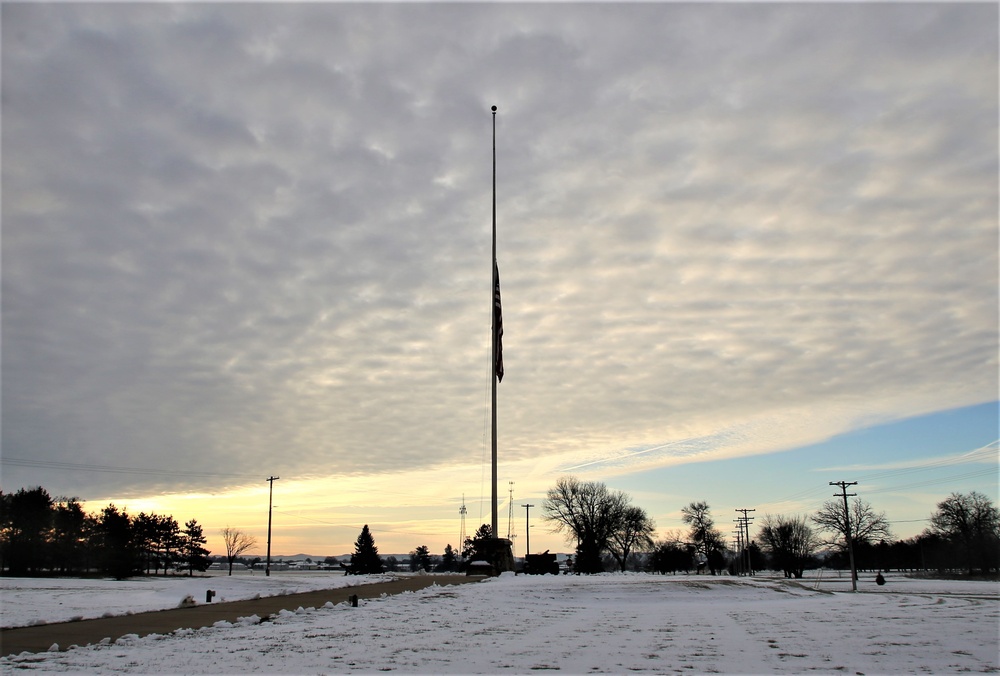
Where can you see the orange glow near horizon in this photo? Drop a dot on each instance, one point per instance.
(323, 516)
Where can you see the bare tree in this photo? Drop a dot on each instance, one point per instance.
(237, 542)
(789, 541)
(972, 523)
(866, 525)
(588, 512)
(634, 532)
(705, 537)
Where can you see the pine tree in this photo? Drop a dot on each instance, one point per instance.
(365, 559)
(449, 561)
(195, 555)
(420, 559)
(68, 542)
(169, 542)
(113, 539)
(474, 547)
(27, 522)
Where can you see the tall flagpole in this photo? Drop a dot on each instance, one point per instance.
(493, 332)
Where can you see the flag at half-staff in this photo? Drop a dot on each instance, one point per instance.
(497, 324)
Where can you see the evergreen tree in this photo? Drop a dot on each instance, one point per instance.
(365, 559)
(449, 561)
(115, 543)
(144, 531)
(420, 559)
(193, 552)
(169, 542)
(26, 529)
(68, 547)
(473, 548)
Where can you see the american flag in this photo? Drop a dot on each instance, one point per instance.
(497, 322)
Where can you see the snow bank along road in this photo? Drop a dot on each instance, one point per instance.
(39, 638)
(599, 624)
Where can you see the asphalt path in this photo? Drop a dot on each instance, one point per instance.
(65, 634)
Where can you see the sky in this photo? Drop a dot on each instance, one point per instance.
(744, 250)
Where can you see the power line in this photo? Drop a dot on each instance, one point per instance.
(935, 482)
(978, 455)
(111, 469)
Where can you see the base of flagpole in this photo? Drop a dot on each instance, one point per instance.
(499, 553)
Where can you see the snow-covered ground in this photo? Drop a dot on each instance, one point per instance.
(597, 624)
(28, 601)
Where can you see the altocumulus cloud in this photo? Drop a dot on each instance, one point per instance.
(238, 238)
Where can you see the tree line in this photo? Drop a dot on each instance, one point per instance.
(39, 534)
(42, 535)
(610, 533)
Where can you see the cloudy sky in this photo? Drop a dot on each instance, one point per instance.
(245, 240)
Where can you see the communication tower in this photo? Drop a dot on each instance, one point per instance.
(461, 533)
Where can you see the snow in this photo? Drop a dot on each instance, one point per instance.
(29, 601)
(610, 623)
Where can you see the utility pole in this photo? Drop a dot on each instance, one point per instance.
(746, 525)
(847, 526)
(270, 497)
(742, 544)
(739, 544)
(527, 530)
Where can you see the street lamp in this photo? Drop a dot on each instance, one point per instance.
(270, 496)
(527, 531)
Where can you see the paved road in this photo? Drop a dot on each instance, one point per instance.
(65, 634)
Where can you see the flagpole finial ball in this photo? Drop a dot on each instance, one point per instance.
(494, 109)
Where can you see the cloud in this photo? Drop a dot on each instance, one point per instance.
(255, 238)
(985, 455)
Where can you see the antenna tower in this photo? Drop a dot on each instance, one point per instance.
(510, 508)
(461, 533)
